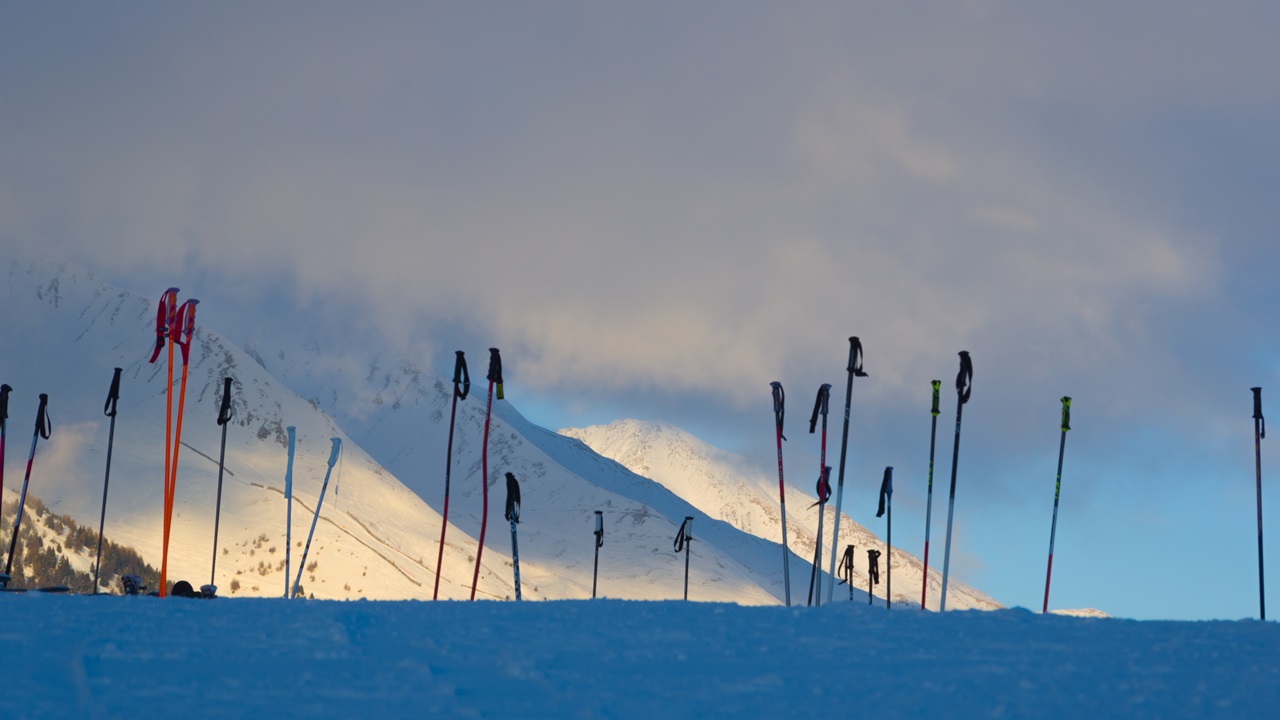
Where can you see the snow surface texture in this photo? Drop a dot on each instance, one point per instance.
(108, 657)
(378, 536)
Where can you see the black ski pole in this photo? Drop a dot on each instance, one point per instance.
(595, 568)
(224, 418)
(846, 569)
(820, 406)
(684, 539)
(513, 516)
(779, 411)
(1057, 488)
(113, 396)
(964, 385)
(1259, 432)
(815, 572)
(4, 425)
(43, 428)
(886, 507)
(855, 370)
(495, 379)
(461, 386)
(928, 506)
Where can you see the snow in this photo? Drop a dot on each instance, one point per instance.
(109, 657)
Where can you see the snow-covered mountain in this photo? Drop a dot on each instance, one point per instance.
(727, 487)
(376, 538)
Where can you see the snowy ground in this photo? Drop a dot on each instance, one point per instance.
(120, 657)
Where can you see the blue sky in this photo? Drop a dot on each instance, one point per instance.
(656, 209)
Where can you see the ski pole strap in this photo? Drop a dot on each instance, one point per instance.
(855, 357)
(873, 566)
(461, 376)
(513, 499)
(846, 566)
(1066, 413)
(820, 405)
(937, 385)
(165, 315)
(824, 486)
(1257, 410)
(43, 424)
(886, 490)
(779, 404)
(495, 369)
(225, 412)
(113, 395)
(685, 536)
(184, 327)
(599, 528)
(4, 401)
(964, 380)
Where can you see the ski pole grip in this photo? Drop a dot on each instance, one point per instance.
(964, 379)
(113, 395)
(779, 402)
(937, 387)
(495, 369)
(599, 533)
(333, 451)
(1066, 413)
(461, 376)
(855, 357)
(4, 401)
(1257, 410)
(43, 426)
(820, 405)
(224, 411)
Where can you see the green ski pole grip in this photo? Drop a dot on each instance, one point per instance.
(937, 386)
(1066, 413)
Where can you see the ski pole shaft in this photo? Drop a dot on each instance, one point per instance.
(4, 429)
(1057, 489)
(495, 378)
(854, 369)
(964, 385)
(688, 544)
(1259, 432)
(288, 503)
(302, 561)
(224, 419)
(515, 558)
(461, 387)
(779, 412)
(113, 397)
(928, 507)
(595, 568)
(42, 430)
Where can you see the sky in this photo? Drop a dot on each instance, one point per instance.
(656, 209)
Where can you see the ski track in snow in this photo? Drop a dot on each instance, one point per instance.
(107, 657)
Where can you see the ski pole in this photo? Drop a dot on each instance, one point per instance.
(928, 506)
(461, 386)
(1259, 432)
(684, 539)
(824, 484)
(815, 573)
(166, 318)
(4, 424)
(779, 411)
(181, 331)
(288, 505)
(964, 385)
(595, 568)
(113, 396)
(225, 413)
(302, 562)
(513, 516)
(846, 569)
(1057, 488)
(43, 427)
(494, 377)
(855, 370)
(886, 507)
